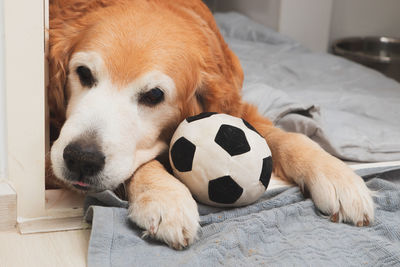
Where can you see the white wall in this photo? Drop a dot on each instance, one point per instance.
(365, 17)
(263, 11)
(3, 153)
(307, 21)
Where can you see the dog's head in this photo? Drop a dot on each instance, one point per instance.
(123, 76)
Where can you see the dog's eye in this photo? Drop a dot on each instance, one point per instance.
(85, 76)
(152, 97)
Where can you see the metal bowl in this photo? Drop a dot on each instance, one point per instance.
(380, 53)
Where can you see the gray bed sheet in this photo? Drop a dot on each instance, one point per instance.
(352, 111)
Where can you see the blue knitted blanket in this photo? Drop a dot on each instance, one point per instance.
(281, 229)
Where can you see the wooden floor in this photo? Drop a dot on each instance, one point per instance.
(61, 249)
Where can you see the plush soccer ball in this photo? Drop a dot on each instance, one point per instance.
(222, 159)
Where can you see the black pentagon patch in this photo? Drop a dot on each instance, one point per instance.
(224, 190)
(182, 154)
(200, 116)
(232, 140)
(266, 171)
(248, 125)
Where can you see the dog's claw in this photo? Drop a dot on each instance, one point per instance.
(366, 220)
(335, 217)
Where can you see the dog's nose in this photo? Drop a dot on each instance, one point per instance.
(83, 159)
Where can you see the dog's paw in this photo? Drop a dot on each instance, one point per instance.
(337, 191)
(171, 217)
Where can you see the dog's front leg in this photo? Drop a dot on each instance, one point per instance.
(163, 206)
(335, 189)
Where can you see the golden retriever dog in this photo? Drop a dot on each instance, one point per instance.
(125, 73)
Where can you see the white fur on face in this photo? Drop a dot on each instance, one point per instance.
(127, 130)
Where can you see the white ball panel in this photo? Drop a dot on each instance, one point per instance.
(206, 163)
(247, 176)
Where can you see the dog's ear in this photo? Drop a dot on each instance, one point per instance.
(61, 43)
(222, 79)
(67, 23)
(222, 74)
(59, 54)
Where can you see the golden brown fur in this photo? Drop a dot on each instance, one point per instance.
(216, 74)
(208, 77)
